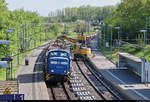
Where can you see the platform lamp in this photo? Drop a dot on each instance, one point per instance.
(11, 31)
(118, 28)
(144, 31)
(111, 40)
(104, 37)
(146, 25)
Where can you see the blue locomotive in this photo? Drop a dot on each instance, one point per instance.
(58, 65)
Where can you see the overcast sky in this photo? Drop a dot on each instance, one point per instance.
(44, 6)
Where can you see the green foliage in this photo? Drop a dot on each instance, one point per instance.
(16, 19)
(130, 15)
(85, 13)
(140, 41)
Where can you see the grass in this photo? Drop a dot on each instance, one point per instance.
(73, 35)
(14, 49)
(21, 58)
(128, 49)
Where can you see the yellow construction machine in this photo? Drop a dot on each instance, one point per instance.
(81, 38)
(79, 48)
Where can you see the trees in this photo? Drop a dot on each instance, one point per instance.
(3, 14)
(131, 16)
(14, 19)
(85, 13)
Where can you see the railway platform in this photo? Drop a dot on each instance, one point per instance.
(122, 79)
(30, 77)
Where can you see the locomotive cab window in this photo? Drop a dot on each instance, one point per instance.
(62, 54)
(53, 54)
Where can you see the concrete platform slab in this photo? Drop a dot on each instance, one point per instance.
(123, 80)
(31, 77)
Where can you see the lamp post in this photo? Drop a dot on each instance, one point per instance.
(144, 31)
(40, 34)
(146, 28)
(118, 28)
(111, 40)
(107, 43)
(104, 38)
(29, 35)
(18, 33)
(121, 21)
(45, 33)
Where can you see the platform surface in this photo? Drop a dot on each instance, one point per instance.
(31, 77)
(123, 80)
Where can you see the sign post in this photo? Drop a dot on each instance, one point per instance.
(7, 51)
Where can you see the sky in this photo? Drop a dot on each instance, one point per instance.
(44, 6)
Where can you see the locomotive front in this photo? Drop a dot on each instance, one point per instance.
(58, 65)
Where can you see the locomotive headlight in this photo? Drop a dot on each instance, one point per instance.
(52, 70)
(64, 71)
(53, 62)
(64, 63)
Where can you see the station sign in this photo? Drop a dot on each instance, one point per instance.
(107, 44)
(7, 59)
(143, 30)
(4, 64)
(6, 42)
(12, 97)
(27, 44)
(10, 31)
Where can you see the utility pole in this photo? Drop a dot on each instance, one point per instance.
(40, 34)
(23, 40)
(118, 28)
(121, 27)
(34, 37)
(7, 55)
(18, 45)
(104, 39)
(144, 31)
(88, 22)
(146, 28)
(108, 36)
(45, 34)
(28, 35)
(111, 41)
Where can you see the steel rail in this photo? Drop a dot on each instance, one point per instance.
(100, 80)
(99, 92)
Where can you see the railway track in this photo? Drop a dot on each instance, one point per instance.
(80, 86)
(95, 87)
(102, 80)
(59, 91)
(97, 82)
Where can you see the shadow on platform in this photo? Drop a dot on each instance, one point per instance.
(37, 71)
(29, 78)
